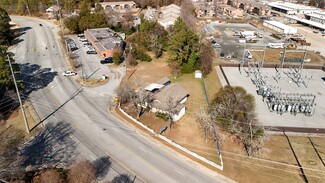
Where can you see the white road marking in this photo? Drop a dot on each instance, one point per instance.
(179, 172)
(142, 149)
(92, 157)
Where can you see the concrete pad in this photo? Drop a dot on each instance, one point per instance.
(316, 86)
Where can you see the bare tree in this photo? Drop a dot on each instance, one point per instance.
(50, 176)
(139, 98)
(123, 93)
(10, 139)
(130, 61)
(188, 14)
(171, 108)
(234, 110)
(206, 58)
(205, 123)
(82, 172)
(175, 69)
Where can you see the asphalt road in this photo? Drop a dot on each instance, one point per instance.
(96, 134)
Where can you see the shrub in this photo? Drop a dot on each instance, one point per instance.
(162, 116)
(139, 53)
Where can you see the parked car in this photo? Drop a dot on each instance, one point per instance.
(222, 55)
(108, 60)
(69, 73)
(86, 43)
(216, 45)
(91, 52)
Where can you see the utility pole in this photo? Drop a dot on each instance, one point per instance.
(60, 16)
(18, 95)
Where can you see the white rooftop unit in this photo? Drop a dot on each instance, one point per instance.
(280, 27)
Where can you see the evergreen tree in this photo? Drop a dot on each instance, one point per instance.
(72, 24)
(5, 36)
(183, 44)
(6, 81)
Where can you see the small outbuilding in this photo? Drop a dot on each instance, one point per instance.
(198, 74)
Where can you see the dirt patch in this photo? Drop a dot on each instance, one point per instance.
(148, 72)
(274, 55)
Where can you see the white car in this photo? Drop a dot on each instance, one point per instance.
(69, 73)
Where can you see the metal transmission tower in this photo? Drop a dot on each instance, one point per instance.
(296, 74)
(18, 95)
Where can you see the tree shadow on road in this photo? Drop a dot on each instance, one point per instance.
(34, 77)
(50, 148)
(102, 166)
(17, 32)
(123, 178)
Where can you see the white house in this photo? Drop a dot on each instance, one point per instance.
(53, 11)
(168, 96)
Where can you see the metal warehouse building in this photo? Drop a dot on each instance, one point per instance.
(291, 8)
(280, 27)
(104, 40)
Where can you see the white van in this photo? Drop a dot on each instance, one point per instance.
(275, 45)
(248, 54)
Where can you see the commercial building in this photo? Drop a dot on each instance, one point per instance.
(291, 8)
(104, 40)
(304, 21)
(280, 27)
(316, 17)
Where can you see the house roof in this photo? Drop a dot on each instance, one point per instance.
(154, 86)
(231, 8)
(170, 95)
(117, 3)
(171, 6)
(162, 81)
(103, 38)
(53, 8)
(166, 20)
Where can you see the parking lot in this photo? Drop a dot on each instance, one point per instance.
(230, 44)
(88, 64)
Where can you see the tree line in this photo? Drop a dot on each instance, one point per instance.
(6, 81)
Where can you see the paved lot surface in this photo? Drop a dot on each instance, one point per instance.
(316, 86)
(317, 40)
(230, 44)
(91, 67)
